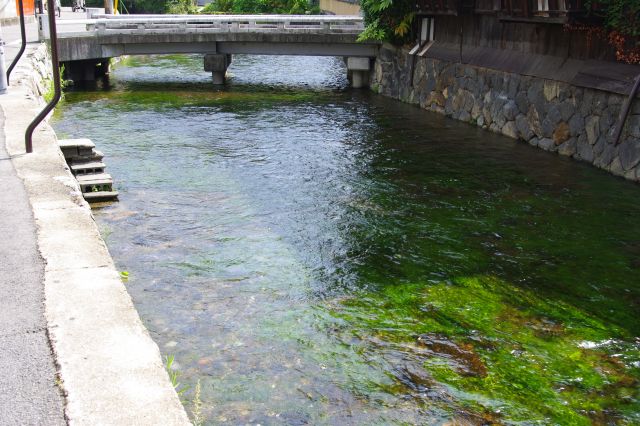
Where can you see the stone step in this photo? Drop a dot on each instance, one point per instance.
(91, 167)
(95, 178)
(100, 196)
(76, 143)
(95, 182)
(94, 155)
(76, 147)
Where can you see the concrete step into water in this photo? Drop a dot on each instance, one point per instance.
(86, 165)
(97, 196)
(94, 183)
(84, 157)
(91, 167)
(76, 147)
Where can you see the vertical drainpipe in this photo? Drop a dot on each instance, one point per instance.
(625, 111)
(24, 40)
(3, 75)
(53, 40)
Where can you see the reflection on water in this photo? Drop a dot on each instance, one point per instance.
(316, 255)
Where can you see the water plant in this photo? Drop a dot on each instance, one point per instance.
(196, 410)
(499, 349)
(50, 88)
(173, 375)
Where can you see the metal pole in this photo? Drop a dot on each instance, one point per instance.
(53, 39)
(625, 111)
(24, 40)
(3, 76)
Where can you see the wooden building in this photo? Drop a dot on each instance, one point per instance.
(545, 38)
(533, 26)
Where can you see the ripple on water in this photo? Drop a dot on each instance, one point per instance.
(313, 254)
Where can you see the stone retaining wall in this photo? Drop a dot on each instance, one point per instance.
(34, 70)
(551, 115)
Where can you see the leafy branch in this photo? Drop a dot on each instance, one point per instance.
(388, 20)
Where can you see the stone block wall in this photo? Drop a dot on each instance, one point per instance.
(555, 116)
(34, 70)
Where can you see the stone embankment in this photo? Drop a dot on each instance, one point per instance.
(552, 115)
(110, 370)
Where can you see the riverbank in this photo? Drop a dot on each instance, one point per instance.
(553, 115)
(109, 369)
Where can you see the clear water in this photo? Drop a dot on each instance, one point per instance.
(318, 255)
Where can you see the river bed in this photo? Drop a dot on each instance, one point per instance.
(312, 254)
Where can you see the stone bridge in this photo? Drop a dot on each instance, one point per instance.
(86, 44)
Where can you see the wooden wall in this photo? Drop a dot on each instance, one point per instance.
(526, 37)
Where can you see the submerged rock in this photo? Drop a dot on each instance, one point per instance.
(463, 354)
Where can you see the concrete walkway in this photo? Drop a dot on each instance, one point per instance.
(29, 393)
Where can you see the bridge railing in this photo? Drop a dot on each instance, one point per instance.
(136, 24)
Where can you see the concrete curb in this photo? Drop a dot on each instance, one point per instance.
(111, 370)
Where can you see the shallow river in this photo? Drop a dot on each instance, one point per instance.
(312, 254)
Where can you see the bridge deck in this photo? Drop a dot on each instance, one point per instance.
(123, 24)
(105, 36)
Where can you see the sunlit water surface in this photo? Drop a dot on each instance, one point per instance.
(317, 255)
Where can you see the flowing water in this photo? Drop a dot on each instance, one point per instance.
(318, 255)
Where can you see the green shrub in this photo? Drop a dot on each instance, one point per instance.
(622, 16)
(388, 20)
(179, 7)
(296, 7)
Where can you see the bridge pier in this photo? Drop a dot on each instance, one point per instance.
(86, 70)
(217, 64)
(358, 71)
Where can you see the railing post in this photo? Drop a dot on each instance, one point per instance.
(23, 33)
(53, 39)
(3, 75)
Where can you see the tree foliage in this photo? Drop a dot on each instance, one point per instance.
(146, 6)
(181, 7)
(622, 16)
(618, 22)
(388, 20)
(294, 7)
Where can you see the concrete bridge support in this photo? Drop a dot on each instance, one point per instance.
(217, 64)
(358, 71)
(87, 70)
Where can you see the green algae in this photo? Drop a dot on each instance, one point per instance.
(535, 367)
(152, 97)
(462, 285)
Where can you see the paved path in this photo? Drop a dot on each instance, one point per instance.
(29, 393)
